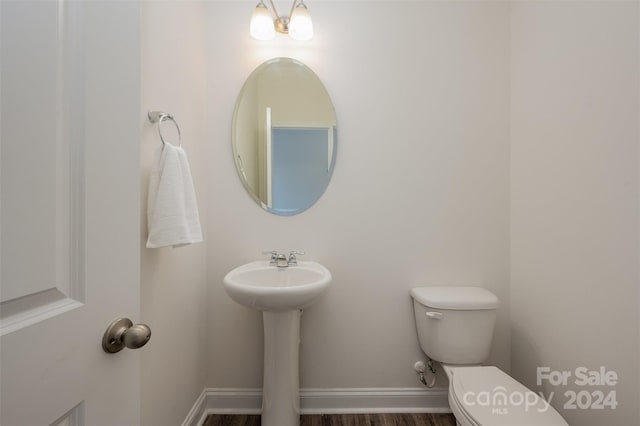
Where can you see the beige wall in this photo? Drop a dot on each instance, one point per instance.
(173, 281)
(574, 198)
(294, 98)
(419, 195)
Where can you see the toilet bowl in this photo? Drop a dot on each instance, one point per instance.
(455, 327)
(487, 396)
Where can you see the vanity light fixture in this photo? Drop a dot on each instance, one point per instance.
(298, 24)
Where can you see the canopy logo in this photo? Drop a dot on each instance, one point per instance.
(500, 400)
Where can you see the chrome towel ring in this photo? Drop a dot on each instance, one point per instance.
(159, 117)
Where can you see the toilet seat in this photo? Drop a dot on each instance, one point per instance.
(486, 396)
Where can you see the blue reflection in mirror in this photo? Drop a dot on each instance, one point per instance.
(301, 167)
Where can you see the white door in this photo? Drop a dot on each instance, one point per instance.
(69, 210)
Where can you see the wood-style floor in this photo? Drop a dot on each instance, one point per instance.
(341, 420)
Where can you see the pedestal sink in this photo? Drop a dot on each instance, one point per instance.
(281, 293)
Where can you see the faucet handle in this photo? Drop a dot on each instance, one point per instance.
(274, 256)
(292, 256)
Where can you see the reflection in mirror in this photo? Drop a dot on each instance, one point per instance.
(284, 136)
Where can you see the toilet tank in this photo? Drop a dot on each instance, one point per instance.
(455, 324)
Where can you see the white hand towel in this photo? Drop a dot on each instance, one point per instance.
(172, 209)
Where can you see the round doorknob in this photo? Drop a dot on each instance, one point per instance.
(122, 333)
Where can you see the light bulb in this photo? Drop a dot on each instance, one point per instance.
(300, 26)
(261, 27)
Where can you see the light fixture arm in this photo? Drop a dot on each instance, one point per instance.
(274, 11)
(293, 7)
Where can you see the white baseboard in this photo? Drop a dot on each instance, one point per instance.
(374, 400)
(323, 401)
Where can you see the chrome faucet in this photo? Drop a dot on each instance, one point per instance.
(280, 260)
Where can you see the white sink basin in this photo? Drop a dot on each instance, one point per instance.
(266, 287)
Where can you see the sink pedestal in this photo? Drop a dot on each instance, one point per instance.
(281, 383)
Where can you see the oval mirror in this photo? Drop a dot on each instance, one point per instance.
(284, 136)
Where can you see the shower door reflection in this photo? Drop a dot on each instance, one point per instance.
(300, 161)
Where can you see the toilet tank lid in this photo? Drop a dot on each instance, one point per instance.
(459, 298)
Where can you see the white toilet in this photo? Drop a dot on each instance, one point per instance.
(455, 327)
